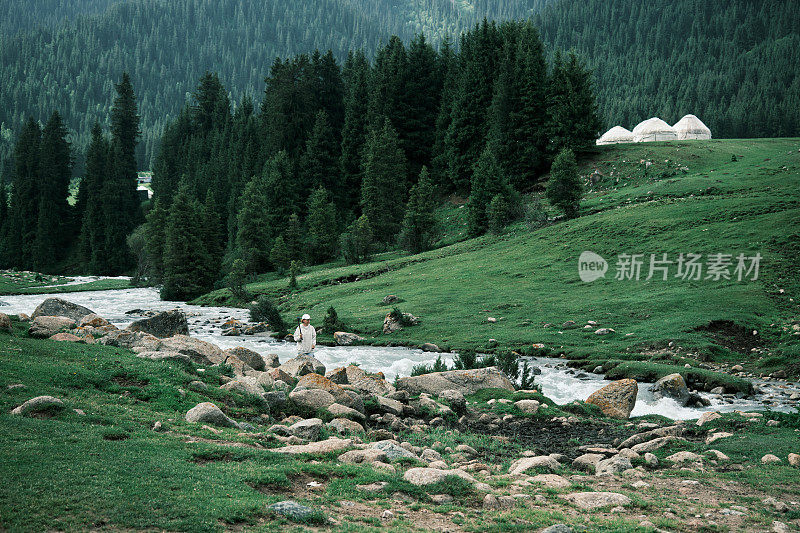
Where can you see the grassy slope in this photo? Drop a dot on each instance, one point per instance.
(25, 283)
(692, 198)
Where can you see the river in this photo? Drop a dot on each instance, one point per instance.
(558, 382)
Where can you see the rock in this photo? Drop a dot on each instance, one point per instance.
(374, 384)
(780, 527)
(770, 459)
(595, 500)
(163, 325)
(393, 451)
(492, 502)
(44, 326)
(387, 405)
(617, 399)
(794, 459)
(199, 351)
(165, 356)
(313, 399)
(391, 324)
(5, 323)
(248, 357)
(427, 404)
(197, 385)
(93, 321)
(654, 444)
(464, 381)
(343, 426)
(131, 340)
(66, 337)
(710, 416)
(245, 385)
(302, 365)
(333, 444)
(551, 480)
(39, 404)
(340, 411)
(367, 455)
(343, 338)
(651, 460)
(271, 361)
(429, 347)
(455, 399)
(372, 488)
(526, 463)
(275, 399)
(292, 510)
(612, 466)
(674, 431)
(684, 457)
(604, 331)
(737, 368)
(717, 390)
(466, 449)
(279, 375)
(718, 455)
(557, 528)
(422, 477)
(59, 307)
(671, 386)
(718, 435)
(208, 413)
(587, 462)
(527, 406)
(306, 429)
(430, 455)
(318, 382)
(390, 299)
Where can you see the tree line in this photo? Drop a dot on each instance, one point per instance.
(345, 160)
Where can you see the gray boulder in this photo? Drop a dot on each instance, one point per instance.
(248, 357)
(464, 381)
(5, 323)
(392, 450)
(307, 429)
(344, 426)
(292, 510)
(59, 307)
(163, 325)
(208, 413)
(313, 399)
(344, 338)
(614, 465)
(44, 327)
(671, 386)
(199, 351)
(302, 365)
(39, 404)
(617, 399)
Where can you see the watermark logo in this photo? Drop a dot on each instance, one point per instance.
(686, 267)
(591, 267)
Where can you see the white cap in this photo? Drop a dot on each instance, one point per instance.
(306, 317)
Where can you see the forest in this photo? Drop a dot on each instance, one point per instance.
(337, 161)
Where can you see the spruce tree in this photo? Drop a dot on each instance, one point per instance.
(279, 255)
(354, 134)
(212, 235)
(93, 225)
(319, 164)
(489, 181)
(356, 243)
(419, 222)
(3, 219)
(253, 239)
(282, 192)
(187, 269)
(156, 237)
(383, 184)
(212, 106)
(55, 172)
(573, 121)
(329, 91)
(322, 235)
(447, 71)
(24, 207)
(564, 190)
(423, 93)
(294, 238)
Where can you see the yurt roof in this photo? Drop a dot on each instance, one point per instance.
(692, 124)
(652, 125)
(615, 133)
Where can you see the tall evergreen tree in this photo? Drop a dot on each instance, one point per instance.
(53, 226)
(211, 109)
(3, 220)
(354, 134)
(488, 181)
(187, 269)
(383, 184)
(447, 70)
(564, 189)
(254, 235)
(212, 234)
(574, 124)
(93, 225)
(419, 222)
(322, 231)
(156, 236)
(329, 90)
(24, 208)
(319, 164)
(423, 94)
(294, 238)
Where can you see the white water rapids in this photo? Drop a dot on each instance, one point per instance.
(558, 382)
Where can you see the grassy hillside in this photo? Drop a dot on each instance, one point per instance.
(709, 197)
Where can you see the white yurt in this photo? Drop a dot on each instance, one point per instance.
(691, 127)
(615, 135)
(653, 129)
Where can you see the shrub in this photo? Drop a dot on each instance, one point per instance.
(564, 189)
(331, 321)
(237, 278)
(465, 360)
(397, 315)
(534, 214)
(294, 269)
(264, 310)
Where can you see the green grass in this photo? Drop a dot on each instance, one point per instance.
(31, 283)
(692, 198)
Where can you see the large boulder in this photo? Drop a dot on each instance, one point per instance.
(302, 365)
(208, 413)
(306, 429)
(526, 463)
(464, 381)
(44, 327)
(422, 477)
(248, 357)
(139, 340)
(59, 307)
(5, 323)
(163, 325)
(392, 323)
(595, 500)
(40, 404)
(671, 386)
(344, 338)
(245, 385)
(316, 381)
(93, 321)
(198, 350)
(617, 399)
(313, 399)
(374, 384)
(332, 444)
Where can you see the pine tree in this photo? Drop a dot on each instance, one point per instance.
(319, 164)
(354, 134)
(279, 255)
(322, 235)
(24, 208)
(212, 234)
(573, 123)
(253, 238)
(489, 181)
(156, 237)
(282, 192)
(92, 237)
(447, 71)
(329, 91)
(418, 229)
(3, 222)
(187, 272)
(564, 189)
(383, 184)
(55, 172)
(356, 243)
(212, 106)
(423, 93)
(294, 238)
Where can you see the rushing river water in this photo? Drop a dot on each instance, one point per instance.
(558, 382)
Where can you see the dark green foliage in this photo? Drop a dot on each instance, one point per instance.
(279, 255)
(356, 74)
(92, 236)
(574, 123)
(322, 234)
(356, 243)
(187, 263)
(155, 239)
(419, 223)
(294, 269)
(382, 188)
(488, 183)
(264, 310)
(465, 360)
(331, 322)
(401, 317)
(437, 366)
(507, 361)
(564, 189)
(24, 208)
(237, 278)
(320, 162)
(253, 236)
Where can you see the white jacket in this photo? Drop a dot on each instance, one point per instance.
(309, 338)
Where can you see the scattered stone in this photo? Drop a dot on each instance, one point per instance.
(718, 455)
(595, 500)
(454, 398)
(302, 365)
(778, 505)
(248, 357)
(429, 347)
(393, 451)
(604, 331)
(780, 527)
(392, 324)
(671, 386)
(422, 477)
(464, 381)
(62, 308)
(492, 502)
(718, 435)
(208, 413)
(340, 411)
(717, 390)
(157, 426)
(430, 455)
(469, 450)
(44, 327)
(551, 480)
(66, 337)
(39, 404)
(770, 459)
(390, 299)
(387, 405)
(684, 457)
(640, 484)
(612, 466)
(387, 515)
(617, 399)
(163, 325)
(441, 499)
(306, 429)
(271, 360)
(491, 320)
(165, 356)
(794, 459)
(292, 510)
(651, 460)
(318, 382)
(343, 338)
(654, 444)
(737, 368)
(374, 384)
(5, 323)
(245, 385)
(527, 406)
(332, 444)
(556, 528)
(344, 426)
(587, 462)
(707, 417)
(199, 351)
(313, 399)
(526, 463)
(367, 455)
(372, 488)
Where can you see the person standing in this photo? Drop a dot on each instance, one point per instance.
(305, 336)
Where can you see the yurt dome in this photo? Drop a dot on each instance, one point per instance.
(691, 127)
(615, 135)
(653, 129)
